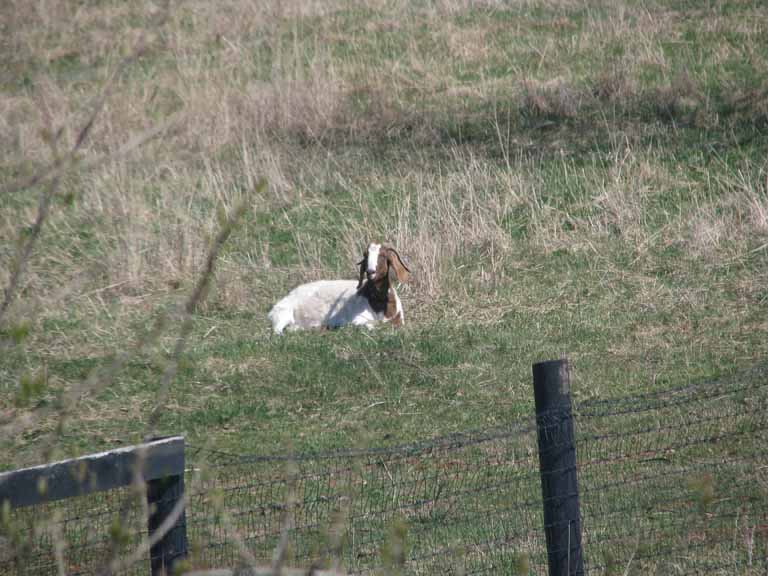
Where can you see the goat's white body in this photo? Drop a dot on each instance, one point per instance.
(326, 303)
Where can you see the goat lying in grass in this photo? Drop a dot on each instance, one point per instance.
(334, 303)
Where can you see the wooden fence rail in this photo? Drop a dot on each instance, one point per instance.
(159, 463)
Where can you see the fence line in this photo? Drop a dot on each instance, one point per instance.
(668, 481)
(672, 480)
(155, 468)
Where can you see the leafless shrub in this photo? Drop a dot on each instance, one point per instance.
(307, 105)
(554, 98)
(731, 224)
(751, 104)
(615, 84)
(50, 178)
(59, 164)
(680, 99)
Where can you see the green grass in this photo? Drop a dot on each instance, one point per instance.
(585, 180)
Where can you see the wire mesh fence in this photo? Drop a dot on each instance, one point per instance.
(470, 500)
(670, 482)
(676, 481)
(78, 535)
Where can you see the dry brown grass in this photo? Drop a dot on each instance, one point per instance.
(734, 225)
(551, 99)
(439, 221)
(615, 84)
(252, 80)
(680, 99)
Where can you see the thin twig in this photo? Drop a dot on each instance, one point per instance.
(134, 143)
(98, 379)
(120, 564)
(59, 545)
(197, 295)
(279, 554)
(61, 165)
(25, 248)
(55, 173)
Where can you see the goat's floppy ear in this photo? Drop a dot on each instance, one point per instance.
(396, 264)
(363, 265)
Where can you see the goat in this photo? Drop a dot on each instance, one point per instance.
(334, 303)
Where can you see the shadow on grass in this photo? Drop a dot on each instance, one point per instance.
(555, 118)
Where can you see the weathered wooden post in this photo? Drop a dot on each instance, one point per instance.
(557, 465)
(164, 494)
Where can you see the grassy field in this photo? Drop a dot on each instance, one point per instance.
(564, 178)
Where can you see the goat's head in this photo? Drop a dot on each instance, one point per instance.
(382, 262)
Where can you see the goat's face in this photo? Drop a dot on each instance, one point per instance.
(380, 262)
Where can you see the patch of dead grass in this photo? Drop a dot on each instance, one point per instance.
(615, 84)
(733, 224)
(621, 199)
(680, 99)
(441, 220)
(469, 45)
(751, 104)
(219, 367)
(555, 98)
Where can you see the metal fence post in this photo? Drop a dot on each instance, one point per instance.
(557, 465)
(163, 494)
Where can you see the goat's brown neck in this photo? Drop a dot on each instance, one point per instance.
(382, 299)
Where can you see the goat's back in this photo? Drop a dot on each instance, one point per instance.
(323, 303)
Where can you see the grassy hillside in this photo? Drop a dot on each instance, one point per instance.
(563, 177)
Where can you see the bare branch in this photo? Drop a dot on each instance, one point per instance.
(60, 165)
(280, 552)
(25, 247)
(197, 295)
(120, 564)
(56, 171)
